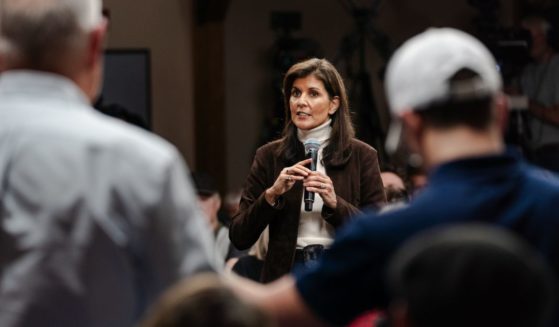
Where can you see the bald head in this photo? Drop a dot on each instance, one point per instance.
(39, 34)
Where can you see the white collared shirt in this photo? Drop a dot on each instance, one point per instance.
(98, 217)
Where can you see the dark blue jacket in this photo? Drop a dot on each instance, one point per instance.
(501, 190)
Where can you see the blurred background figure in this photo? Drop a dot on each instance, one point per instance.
(539, 82)
(250, 265)
(231, 203)
(416, 180)
(471, 275)
(203, 301)
(210, 203)
(395, 190)
(394, 187)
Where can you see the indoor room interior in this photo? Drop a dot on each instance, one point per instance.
(215, 66)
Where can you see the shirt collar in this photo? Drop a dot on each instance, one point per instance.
(320, 133)
(42, 84)
(495, 166)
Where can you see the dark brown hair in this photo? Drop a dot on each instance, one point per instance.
(338, 150)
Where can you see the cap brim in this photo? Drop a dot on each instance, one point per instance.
(394, 136)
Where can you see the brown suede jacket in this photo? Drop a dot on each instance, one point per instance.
(357, 185)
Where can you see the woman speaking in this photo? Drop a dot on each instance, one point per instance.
(346, 178)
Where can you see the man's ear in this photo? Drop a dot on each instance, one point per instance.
(501, 112)
(334, 105)
(413, 124)
(217, 202)
(96, 44)
(412, 130)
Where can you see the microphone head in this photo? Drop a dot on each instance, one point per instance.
(311, 145)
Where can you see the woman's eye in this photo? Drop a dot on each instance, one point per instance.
(313, 94)
(295, 93)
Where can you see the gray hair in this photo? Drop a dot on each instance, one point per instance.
(34, 32)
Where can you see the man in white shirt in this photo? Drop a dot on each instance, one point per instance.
(97, 216)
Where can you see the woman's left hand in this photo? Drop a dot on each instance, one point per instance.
(322, 185)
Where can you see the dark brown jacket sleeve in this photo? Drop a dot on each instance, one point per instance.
(255, 213)
(369, 190)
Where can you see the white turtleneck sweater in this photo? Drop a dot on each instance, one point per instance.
(313, 229)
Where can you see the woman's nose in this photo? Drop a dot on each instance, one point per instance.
(302, 100)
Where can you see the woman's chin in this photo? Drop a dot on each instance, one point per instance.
(304, 125)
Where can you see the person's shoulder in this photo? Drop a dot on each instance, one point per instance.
(123, 140)
(378, 230)
(543, 180)
(76, 126)
(362, 152)
(538, 189)
(269, 148)
(372, 219)
(360, 146)
(540, 193)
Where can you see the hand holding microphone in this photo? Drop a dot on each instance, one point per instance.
(317, 182)
(286, 179)
(314, 181)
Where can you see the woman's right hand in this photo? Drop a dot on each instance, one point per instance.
(286, 179)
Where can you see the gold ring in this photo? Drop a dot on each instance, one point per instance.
(322, 186)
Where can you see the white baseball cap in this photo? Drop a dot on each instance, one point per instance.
(418, 73)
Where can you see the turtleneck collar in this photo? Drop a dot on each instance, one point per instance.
(320, 133)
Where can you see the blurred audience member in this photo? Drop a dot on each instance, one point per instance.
(250, 265)
(395, 190)
(231, 202)
(416, 180)
(204, 301)
(472, 275)
(540, 83)
(98, 216)
(394, 187)
(210, 202)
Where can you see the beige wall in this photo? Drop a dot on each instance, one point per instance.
(164, 27)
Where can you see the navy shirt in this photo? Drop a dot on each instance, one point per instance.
(499, 189)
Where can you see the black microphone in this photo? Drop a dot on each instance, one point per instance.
(311, 151)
